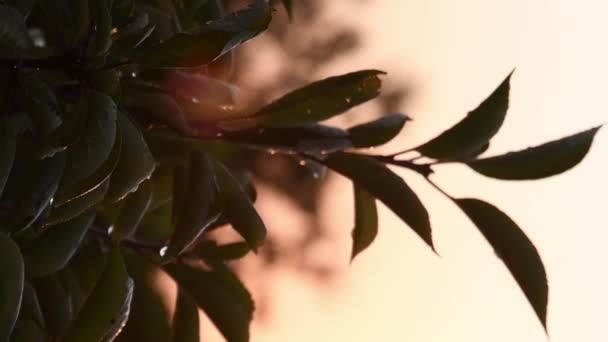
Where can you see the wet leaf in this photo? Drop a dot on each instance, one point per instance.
(542, 161)
(475, 130)
(514, 248)
(321, 100)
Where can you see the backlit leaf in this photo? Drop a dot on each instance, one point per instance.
(238, 209)
(475, 130)
(383, 184)
(542, 161)
(377, 132)
(514, 248)
(366, 221)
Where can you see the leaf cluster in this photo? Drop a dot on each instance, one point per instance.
(116, 147)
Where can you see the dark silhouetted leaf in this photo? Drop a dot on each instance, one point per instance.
(542, 161)
(385, 185)
(377, 132)
(30, 306)
(133, 211)
(514, 248)
(106, 310)
(209, 41)
(136, 162)
(24, 6)
(11, 284)
(90, 161)
(312, 138)
(87, 265)
(238, 209)
(198, 211)
(366, 221)
(475, 130)
(28, 331)
(55, 304)
(8, 148)
(321, 100)
(185, 320)
(149, 318)
(53, 249)
(13, 32)
(221, 296)
(39, 190)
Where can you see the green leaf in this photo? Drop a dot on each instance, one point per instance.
(8, 147)
(30, 306)
(514, 248)
(133, 212)
(221, 296)
(149, 318)
(542, 161)
(321, 100)
(11, 284)
(475, 130)
(121, 11)
(28, 331)
(136, 162)
(67, 134)
(107, 308)
(86, 266)
(55, 247)
(102, 27)
(199, 210)
(13, 32)
(377, 132)
(209, 250)
(380, 182)
(161, 107)
(55, 304)
(209, 41)
(93, 158)
(366, 221)
(72, 209)
(72, 287)
(36, 195)
(185, 320)
(238, 209)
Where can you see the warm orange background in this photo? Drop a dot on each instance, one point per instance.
(454, 53)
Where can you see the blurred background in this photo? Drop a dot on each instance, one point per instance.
(442, 59)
